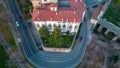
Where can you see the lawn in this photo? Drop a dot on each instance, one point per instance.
(113, 13)
(3, 58)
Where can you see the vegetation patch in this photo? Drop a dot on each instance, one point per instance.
(3, 58)
(25, 6)
(5, 30)
(1, 7)
(55, 39)
(109, 36)
(113, 13)
(113, 59)
(5, 62)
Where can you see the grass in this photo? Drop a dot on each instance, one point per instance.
(1, 8)
(3, 58)
(5, 30)
(100, 60)
(113, 13)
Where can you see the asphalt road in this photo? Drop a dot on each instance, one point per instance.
(43, 59)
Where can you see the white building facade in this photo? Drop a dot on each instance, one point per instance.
(68, 19)
(72, 27)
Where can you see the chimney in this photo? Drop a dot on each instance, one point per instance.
(51, 18)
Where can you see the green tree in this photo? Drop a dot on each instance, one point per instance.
(56, 38)
(43, 32)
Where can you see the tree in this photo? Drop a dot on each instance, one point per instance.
(43, 32)
(56, 38)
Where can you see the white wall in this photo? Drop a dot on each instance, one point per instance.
(64, 26)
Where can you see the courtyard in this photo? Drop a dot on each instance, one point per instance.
(56, 38)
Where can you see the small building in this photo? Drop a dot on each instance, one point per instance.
(65, 14)
(98, 13)
(37, 3)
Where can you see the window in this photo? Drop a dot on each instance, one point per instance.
(54, 25)
(64, 26)
(63, 3)
(76, 26)
(43, 24)
(70, 26)
(38, 25)
(59, 25)
(49, 25)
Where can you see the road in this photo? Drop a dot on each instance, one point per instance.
(43, 59)
(16, 57)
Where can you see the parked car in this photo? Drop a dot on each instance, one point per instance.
(17, 24)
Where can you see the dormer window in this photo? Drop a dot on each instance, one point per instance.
(53, 7)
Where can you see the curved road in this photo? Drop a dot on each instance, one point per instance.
(43, 59)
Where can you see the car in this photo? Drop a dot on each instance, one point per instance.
(17, 24)
(81, 39)
(24, 27)
(20, 17)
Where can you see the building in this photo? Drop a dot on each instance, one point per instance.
(98, 13)
(66, 14)
(37, 3)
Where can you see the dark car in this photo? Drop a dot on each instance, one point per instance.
(20, 17)
(81, 39)
(24, 28)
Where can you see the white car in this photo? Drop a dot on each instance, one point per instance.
(17, 24)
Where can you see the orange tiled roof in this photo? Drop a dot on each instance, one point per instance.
(73, 13)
